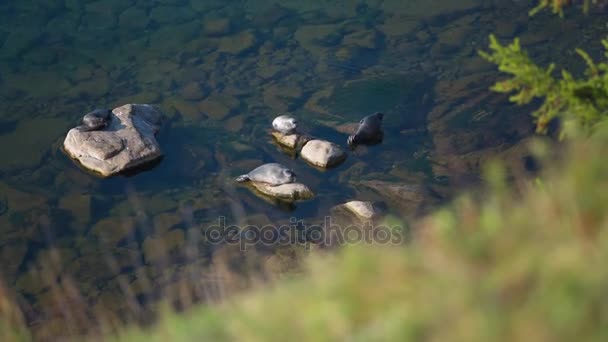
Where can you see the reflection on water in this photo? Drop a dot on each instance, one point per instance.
(220, 71)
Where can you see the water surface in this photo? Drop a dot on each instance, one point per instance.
(220, 71)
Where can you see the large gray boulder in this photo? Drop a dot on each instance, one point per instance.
(127, 142)
(323, 154)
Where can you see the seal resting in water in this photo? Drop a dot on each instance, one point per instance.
(272, 174)
(369, 131)
(95, 120)
(285, 124)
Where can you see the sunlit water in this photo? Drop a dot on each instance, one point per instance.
(220, 72)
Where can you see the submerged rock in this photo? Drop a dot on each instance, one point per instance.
(217, 107)
(323, 153)
(156, 249)
(33, 137)
(361, 215)
(217, 27)
(362, 209)
(409, 199)
(287, 192)
(126, 143)
(237, 44)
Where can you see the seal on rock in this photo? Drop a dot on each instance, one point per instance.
(369, 131)
(95, 120)
(285, 124)
(122, 142)
(272, 174)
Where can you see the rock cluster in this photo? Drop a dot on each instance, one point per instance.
(317, 152)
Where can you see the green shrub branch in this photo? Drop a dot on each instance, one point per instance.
(557, 6)
(580, 101)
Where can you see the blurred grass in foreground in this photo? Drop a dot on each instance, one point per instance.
(529, 266)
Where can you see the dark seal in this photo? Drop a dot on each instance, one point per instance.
(369, 131)
(96, 120)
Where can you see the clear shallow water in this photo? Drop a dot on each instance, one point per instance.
(220, 71)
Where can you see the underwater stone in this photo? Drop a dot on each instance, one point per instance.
(126, 143)
(218, 107)
(112, 230)
(310, 37)
(370, 39)
(235, 124)
(283, 97)
(451, 39)
(217, 27)
(79, 206)
(323, 153)
(155, 249)
(361, 209)
(288, 192)
(39, 133)
(408, 199)
(192, 91)
(238, 44)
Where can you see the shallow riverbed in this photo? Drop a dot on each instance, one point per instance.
(220, 72)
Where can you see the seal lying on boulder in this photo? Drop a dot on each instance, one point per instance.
(95, 120)
(271, 174)
(120, 141)
(369, 131)
(287, 134)
(285, 124)
(276, 181)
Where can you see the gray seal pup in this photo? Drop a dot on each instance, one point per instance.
(95, 120)
(285, 124)
(369, 131)
(272, 173)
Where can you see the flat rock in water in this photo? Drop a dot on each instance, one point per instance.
(126, 143)
(408, 199)
(291, 141)
(323, 153)
(288, 192)
(361, 209)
